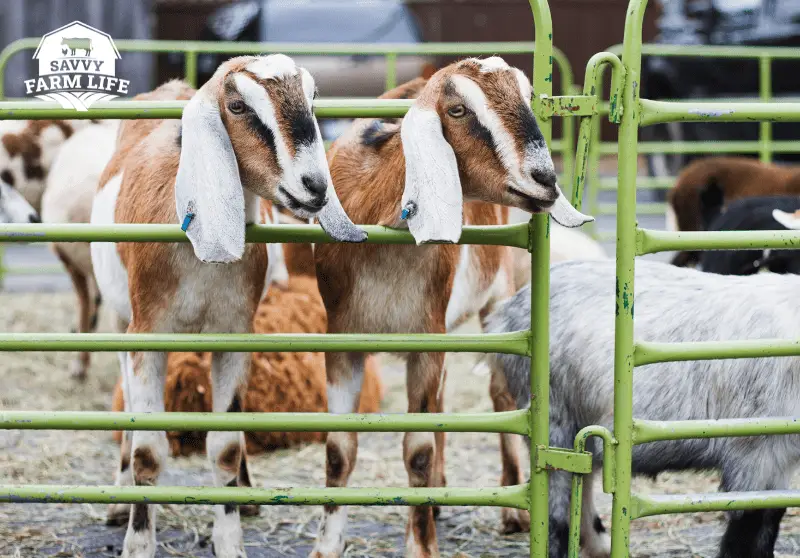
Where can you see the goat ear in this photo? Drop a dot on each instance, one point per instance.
(564, 214)
(432, 200)
(788, 220)
(208, 191)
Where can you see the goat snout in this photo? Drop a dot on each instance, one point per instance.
(34, 218)
(546, 178)
(317, 186)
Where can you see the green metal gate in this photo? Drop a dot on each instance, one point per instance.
(630, 112)
(192, 49)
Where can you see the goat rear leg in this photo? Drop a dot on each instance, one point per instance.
(751, 533)
(80, 364)
(424, 375)
(226, 450)
(345, 374)
(145, 379)
(512, 520)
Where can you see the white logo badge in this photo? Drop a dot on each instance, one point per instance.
(77, 67)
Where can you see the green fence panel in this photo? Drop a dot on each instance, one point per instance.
(533, 236)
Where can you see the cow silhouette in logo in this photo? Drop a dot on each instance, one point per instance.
(75, 43)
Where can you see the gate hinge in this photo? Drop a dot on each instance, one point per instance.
(567, 105)
(563, 460)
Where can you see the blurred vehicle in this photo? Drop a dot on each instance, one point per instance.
(719, 22)
(323, 21)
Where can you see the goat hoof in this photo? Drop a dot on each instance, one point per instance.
(515, 521)
(77, 371)
(117, 514)
(249, 510)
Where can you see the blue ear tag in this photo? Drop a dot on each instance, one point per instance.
(186, 220)
(408, 211)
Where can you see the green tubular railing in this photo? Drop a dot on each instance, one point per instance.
(332, 108)
(695, 111)
(632, 242)
(532, 236)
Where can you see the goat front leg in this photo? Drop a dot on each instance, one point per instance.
(145, 380)
(345, 373)
(425, 373)
(119, 514)
(226, 450)
(513, 520)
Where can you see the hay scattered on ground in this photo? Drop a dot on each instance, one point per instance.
(41, 381)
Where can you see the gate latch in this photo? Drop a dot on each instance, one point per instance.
(563, 460)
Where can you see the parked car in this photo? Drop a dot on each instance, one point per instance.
(719, 22)
(324, 21)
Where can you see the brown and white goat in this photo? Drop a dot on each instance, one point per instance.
(705, 186)
(249, 132)
(470, 135)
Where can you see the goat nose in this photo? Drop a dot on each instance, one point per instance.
(317, 186)
(34, 218)
(546, 178)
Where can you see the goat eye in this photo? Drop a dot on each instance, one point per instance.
(457, 111)
(7, 177)
(316, 93)
(237, 107)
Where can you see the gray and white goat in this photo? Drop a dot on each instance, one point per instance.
(672, 304)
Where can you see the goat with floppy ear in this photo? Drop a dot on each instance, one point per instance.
(470, 140)
(249, 132)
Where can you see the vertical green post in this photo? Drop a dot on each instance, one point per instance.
(2, 265)
(190, 67)
(540, 294)
(626, 255)
(765, 93)
(391, 70)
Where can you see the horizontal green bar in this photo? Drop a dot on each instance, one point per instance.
(502, 235)
(609, 184)
(649, 352)
(508, 496)
(656, 112)
(650, 241)
(671, 147)
(644, 506)
(510, 343)
(514, 422)
(321, 49)
(706, 51)
(127, 109)
(32, 270)
(641, 208)
(645, 431)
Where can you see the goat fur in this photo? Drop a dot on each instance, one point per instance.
(706, 185)
(672, 305)
(278, 382)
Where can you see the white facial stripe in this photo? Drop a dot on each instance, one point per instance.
(525, 88)
(257, 99)
(272, 67)
(492, 64)
(308, 83)
(476, 101)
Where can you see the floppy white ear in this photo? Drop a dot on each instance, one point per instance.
(788, 220)
(432, 200)
(564, 214)
(208, 191)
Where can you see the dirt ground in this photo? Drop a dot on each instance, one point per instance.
(41, 381)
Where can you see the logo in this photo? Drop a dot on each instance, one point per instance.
(77, 67)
